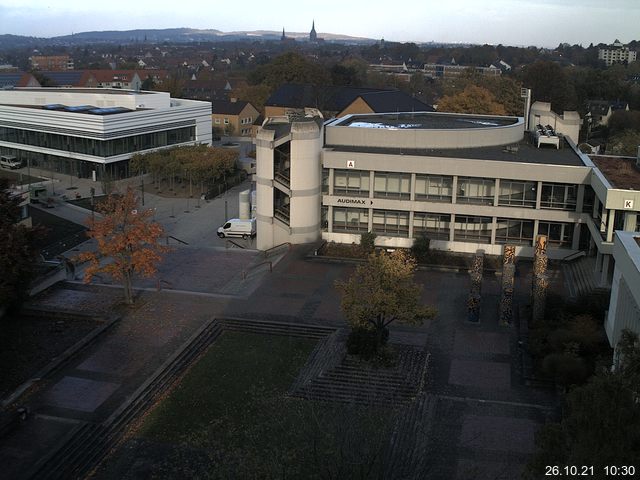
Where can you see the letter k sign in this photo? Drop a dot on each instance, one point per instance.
(628, 204)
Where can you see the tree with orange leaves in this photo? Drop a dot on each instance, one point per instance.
(128, 242)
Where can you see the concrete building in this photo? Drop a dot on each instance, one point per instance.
(465, 181)
(624, 307)
(87, 132)
(616, 53)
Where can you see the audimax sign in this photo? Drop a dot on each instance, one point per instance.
(354, 201)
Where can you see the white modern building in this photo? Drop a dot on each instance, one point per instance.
(467, 182)
(81, 131)
(624, 307)
(616, 53)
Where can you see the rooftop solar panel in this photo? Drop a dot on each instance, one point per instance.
(80, 108)
(109, 110)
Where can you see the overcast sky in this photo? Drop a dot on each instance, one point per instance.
(510, 22)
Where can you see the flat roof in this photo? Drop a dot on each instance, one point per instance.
(425, 121)
(621, 172)
(108, 91)
(523, 152)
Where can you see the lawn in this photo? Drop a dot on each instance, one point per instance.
(230, 417)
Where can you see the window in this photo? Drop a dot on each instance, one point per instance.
(558, 196)
(432, 225)
(517, 193)
(558, 234)
(351, 182)
(350, 220)
(475, 190)
(226, 121)
(391, 222)
(434, 188)
(472, 229)
(392, 185)
(325, 180)
(519, 232)
(217, 120)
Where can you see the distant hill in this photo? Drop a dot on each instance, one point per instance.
(173, 35)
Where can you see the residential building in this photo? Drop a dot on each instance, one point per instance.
(9, 79)
(624, 306)
(292, 99)
(125, 79)
(616, 53)
(88, 132)
(57, 63)
(68, 79)
(233, 118)
(468, 182)
(439, 70)
(599, 111)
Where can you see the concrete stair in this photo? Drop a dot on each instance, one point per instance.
(580, 276)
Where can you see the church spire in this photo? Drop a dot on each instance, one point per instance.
(313, 36)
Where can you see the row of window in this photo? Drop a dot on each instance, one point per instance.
(98, 148)
(466, 228)
(439, 188)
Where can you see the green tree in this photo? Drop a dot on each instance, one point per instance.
(624, 143)
(18, 253)
(600, 419)
(549, 82)
(383, 291)
(290, 67)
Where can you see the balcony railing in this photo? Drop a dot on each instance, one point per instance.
(282, 213)
(283, 176)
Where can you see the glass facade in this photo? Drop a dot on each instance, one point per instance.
(558, 234)
(517, 193)
(476, 190)
(558, 196)
(432, 225)
(435, 188)
(350, 220)
(472, 229)
(98, 148)
(391, 222)
(351, 182)
(516, 232)
(392, 185)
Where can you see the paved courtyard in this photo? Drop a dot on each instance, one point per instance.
(484, 419)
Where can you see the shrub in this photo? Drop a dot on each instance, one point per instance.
(565, 368)
(420, 248)
(367, 242)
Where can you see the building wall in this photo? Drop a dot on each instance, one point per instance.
(568, 124)
(357, 106)
(624, 306)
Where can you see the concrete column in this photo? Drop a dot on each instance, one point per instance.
(452, 225)
(330, 217)
(454, 189)
(496, 194)
(331, 170)
(412, 194)
(604, 276)
(370, 222)
(538, 198)
(372, 177)
(494, 226)
(575, 242)
(611, 220)
(536, 226)
(411, 215)
(580, 199)
(604, 220)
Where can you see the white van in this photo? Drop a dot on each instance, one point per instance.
(10, 162)
(238, 228)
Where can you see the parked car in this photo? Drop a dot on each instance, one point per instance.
(236, 227)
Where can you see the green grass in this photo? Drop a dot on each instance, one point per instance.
(232, 409)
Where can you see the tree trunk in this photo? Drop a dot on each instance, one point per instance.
(128, 289)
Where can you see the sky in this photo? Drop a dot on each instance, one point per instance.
(543, 23)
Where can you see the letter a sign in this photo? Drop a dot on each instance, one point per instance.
(628, 204)
(351, 164)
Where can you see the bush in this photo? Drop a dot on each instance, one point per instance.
(420, 248)
(565, 368)
(364, 342)
(367, 242)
